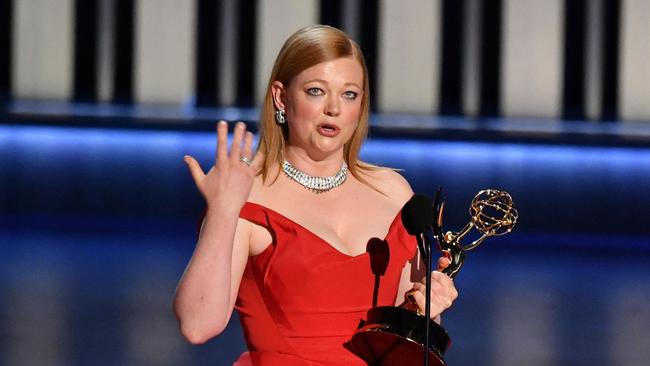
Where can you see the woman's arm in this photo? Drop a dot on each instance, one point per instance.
(206, 293)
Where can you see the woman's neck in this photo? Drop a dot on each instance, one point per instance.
(316, 166)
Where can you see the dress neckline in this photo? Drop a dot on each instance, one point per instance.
(392, 226)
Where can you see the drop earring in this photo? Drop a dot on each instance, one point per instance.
(280, 116)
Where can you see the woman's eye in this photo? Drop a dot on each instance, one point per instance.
(350, 95)
(314, 91)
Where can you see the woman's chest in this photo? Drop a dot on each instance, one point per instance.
(347, 230)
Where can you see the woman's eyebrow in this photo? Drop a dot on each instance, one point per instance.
(325, 82)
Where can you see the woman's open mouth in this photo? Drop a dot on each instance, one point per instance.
(328, 130)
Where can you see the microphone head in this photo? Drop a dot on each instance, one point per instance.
(379, 256)
(417, 214)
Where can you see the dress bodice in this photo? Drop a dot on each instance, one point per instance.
(301, 298)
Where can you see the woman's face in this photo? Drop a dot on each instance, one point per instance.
(323, 105)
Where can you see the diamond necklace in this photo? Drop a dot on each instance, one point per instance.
(315, 184)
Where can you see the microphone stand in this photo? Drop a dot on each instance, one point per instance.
(427, 296)
(425, 251)
(436, 230)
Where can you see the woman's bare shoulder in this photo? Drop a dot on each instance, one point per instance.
(391, 183)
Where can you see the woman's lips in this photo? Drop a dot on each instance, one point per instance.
(328, 130)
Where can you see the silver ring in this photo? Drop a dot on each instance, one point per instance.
(245, 160)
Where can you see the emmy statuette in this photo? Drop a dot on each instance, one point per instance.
(396, 335)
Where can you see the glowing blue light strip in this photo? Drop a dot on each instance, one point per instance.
(415, 122)
(474, 153)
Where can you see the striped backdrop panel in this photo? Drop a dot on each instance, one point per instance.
(532, 58)
(164, 51)
(634, 84)
(409, 44)
(276, 22)
(42, 57)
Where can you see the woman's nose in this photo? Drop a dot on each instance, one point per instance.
(332, 107)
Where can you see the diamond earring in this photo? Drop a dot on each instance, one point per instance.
(280, 116)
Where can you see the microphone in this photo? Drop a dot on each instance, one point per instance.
(417, 217)
(417, 214)
(379, 254)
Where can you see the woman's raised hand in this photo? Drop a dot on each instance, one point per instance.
(229, 182)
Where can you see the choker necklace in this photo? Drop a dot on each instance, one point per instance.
(315, 184)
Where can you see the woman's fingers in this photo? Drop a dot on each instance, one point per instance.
(443, 262)
(418, 295)
(222, 142)
(443, 287)
(231, 174)
(443, 293)
(242, 142)
(248, 145)
(237, 137)
(258, 160)
(195, 169)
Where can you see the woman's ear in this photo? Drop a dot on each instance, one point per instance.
(277, 90)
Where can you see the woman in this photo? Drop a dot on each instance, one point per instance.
(286, 248)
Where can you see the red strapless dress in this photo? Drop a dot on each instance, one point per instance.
(301, 299)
